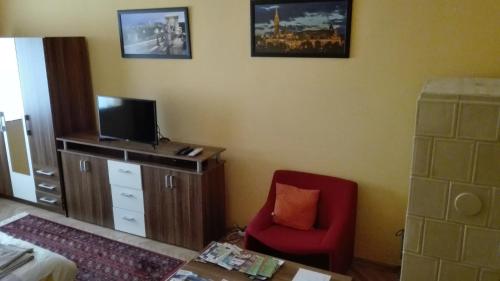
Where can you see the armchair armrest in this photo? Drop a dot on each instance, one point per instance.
(263, 219)
(337, 233)
(339, 239)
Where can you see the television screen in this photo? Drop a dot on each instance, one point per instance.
(127, 119)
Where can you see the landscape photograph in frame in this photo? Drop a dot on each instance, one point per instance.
(299, 28)
(155, 33)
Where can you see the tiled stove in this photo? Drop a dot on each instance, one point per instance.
(453, 220)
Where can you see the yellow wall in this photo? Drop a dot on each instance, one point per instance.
(350, 118)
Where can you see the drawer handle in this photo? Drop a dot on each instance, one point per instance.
(128, 195)
(128, 219)
(123, 171)
(49, 187)
(45, 173)
(51, 201)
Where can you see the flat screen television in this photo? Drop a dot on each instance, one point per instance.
(127, 119)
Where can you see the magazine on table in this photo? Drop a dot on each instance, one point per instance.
(232, 257)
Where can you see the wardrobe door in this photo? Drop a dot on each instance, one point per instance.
(5, 185)
(70, 85)
(13, 126)
(37, 108)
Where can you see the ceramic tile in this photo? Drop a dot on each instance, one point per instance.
(442, 240)
(428, 197)
(495, 210)
(436, 118)
(479, 121)
(421, 156)
(482, 247)
(418, 268)
(488, 164)
(488, 275)
(452, 160)
(413, 233)
(450, 271)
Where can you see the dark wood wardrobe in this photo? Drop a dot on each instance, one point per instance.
(56, 87)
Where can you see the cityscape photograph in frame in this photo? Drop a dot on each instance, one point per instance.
(301, 28)
(155, 33)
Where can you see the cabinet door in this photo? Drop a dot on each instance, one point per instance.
(173, 207)
(74, 180)
(97, 184)
(5, 185)
(88, 194)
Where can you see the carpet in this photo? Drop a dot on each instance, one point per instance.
(97, 258)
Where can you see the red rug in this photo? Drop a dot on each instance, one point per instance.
(97, 258)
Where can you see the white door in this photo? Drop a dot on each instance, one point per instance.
(13, 124)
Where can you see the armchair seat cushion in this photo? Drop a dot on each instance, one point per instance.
(292, 241)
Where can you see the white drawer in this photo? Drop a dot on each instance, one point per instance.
(127, 198)
(129, 221)
(125, 174)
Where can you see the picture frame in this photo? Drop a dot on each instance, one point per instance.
(301, 28)
(155, 33)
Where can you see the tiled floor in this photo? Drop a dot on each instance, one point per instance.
(10, 208)
(361, 271)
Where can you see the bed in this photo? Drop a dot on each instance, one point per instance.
(46, 266)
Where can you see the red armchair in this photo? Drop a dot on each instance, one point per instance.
(330, 244)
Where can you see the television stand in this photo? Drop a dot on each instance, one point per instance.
(146, 191)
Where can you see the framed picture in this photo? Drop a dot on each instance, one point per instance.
(155, 33)
(301, 28)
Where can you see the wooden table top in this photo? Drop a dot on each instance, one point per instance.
(286, 272)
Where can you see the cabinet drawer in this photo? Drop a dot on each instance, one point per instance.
(129, 221)
(47, 185)
(46, 172)
(124, 174)
(127, 198)
(49, 201)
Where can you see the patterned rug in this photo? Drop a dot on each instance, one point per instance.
(97, 258)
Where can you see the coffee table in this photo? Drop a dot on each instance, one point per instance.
(286, 272)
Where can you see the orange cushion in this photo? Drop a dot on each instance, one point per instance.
(295, 207)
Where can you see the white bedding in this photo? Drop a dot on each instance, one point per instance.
(45, 266)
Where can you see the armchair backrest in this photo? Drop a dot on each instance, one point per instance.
(338, 197)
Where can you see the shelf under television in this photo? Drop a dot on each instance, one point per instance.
(145, 154)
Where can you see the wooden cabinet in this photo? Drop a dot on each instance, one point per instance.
(88, 193)
(5, 186)
(155, 193)
(180, 207)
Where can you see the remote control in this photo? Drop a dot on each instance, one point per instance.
(195, 152)
(187, 151)
(182, 150)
